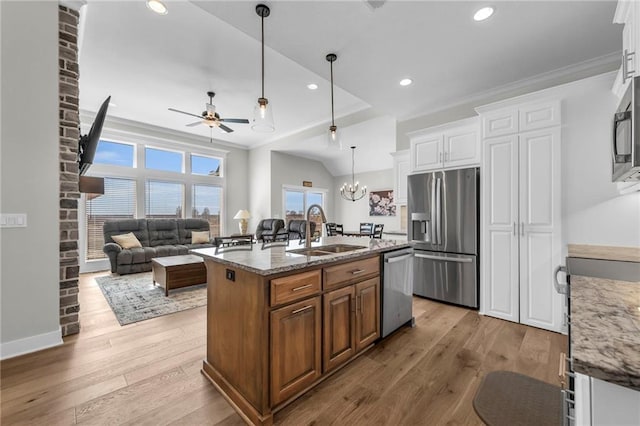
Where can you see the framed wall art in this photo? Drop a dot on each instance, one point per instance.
(381, 203)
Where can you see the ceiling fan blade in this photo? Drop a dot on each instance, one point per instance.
(194, 124)
(225, 128)
(235, 120)
(182, 112)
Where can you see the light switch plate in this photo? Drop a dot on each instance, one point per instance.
(13, 220)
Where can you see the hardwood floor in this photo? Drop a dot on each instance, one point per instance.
(149, 372)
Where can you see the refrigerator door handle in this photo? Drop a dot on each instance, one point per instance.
(434, 224)
(398, 258)
(445, 258)
(438, 211)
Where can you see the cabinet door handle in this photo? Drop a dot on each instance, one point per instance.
(441, 157)
(357, 271)
(302, 287)
(514, 228)
(297, 311)
(626, 58)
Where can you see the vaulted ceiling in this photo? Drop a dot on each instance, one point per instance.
(149, 62)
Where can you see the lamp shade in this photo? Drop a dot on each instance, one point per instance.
(242, 214)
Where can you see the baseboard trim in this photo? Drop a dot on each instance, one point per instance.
(30, 344)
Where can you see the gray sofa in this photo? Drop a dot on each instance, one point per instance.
(158, 237)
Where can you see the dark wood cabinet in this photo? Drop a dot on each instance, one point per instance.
(295, 348)
(339, 327)
(272, 337)
(367, 312)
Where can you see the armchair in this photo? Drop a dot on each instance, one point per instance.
(268, 227)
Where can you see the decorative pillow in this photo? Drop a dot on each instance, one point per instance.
(126, 241)
(199, 237)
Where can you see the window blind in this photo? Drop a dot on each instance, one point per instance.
(164, 200)
(118, 202)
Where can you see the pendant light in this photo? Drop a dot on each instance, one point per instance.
(334, 137)
(263, 112)
(353, 192)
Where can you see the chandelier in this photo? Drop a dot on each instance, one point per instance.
(353, 192)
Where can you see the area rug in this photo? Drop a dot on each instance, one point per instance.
(135, 298)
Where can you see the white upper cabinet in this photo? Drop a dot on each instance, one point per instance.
(401, 171)
(454, 145)
(500, 123)
(627, 14)
(523, 118)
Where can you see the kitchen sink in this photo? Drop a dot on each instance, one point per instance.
(325, 250)
(339, 248)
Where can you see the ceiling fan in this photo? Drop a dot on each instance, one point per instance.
(211, 118)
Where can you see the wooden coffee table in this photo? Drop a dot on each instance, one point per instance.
(178, 271)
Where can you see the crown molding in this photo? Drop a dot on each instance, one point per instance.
(611, 59)
(73, 4)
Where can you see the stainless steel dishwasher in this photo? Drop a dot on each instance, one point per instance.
(397, 290)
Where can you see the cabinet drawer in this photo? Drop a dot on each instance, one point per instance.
(294, 287)
(351, 272)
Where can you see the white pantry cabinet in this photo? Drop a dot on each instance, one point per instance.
(400, 172)
(450, 146)
(520, 227)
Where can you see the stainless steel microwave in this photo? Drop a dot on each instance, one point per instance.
(625, 152)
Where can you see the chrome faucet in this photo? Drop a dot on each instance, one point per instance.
(307, 229)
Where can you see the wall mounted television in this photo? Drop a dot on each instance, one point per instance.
(89, 143)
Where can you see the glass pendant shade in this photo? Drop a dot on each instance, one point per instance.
(334, 139)
(263, 117)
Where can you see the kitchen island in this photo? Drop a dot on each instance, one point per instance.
(280, 322)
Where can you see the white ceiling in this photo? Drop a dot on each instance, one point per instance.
(149, 62)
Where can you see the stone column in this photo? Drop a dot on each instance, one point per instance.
(69, 193)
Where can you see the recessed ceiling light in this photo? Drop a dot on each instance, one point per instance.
(312, 86)
(405, 82)
(157, 6)
(483, 13)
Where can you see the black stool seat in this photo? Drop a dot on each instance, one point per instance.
(508, 398)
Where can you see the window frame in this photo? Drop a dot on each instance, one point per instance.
(187, 145)
(306, 191)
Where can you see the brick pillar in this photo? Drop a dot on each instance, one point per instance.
(69, 193)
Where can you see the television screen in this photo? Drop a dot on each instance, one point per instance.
(89, 142)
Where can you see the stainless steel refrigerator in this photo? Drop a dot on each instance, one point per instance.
(444, 232)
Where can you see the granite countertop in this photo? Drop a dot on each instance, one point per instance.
(626, 254)
(278, 259)
(605, 329)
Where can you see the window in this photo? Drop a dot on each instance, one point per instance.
(114, 153)
(208, 166)
(163, 199)
(294, 204)
(160, 159)
(207, 202)
(297, 201)
(118, 202)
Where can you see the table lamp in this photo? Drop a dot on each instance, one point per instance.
(243, 215)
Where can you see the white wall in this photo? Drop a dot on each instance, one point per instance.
(259, 191)
(291, 170)
(29, 287)
(351, 213)
(593, 211)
